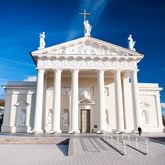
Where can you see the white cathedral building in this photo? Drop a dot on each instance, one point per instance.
(83, 86)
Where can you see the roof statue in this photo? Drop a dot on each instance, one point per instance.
(131, 43)
(87, 26)
(42, 40)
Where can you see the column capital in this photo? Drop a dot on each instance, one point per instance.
(76, 69)
(40, 69)
(116, 70)
(57, 70)
(134, 71)
(100, 70)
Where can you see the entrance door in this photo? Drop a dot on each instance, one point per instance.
(85, 120)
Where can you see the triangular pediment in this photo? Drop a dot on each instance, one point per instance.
(86, 46)
(22, 104)
(86, 101)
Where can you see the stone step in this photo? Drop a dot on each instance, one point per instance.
(32, 140)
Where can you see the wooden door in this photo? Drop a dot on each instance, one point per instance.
(85, 121)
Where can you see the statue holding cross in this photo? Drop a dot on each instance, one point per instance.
(87, 26)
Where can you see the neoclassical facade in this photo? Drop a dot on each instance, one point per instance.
(85, 85)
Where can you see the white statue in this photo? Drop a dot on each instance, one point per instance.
(87, 28)
(131, 43)
(66, 117)
(42, 40)
(22, 117)
(86, 94)
(49, 119)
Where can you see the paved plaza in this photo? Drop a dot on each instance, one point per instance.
(83, 150)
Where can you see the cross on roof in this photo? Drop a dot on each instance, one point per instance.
(85, 14)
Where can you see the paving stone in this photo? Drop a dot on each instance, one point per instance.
(87, 150)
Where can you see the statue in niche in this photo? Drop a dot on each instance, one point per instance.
(86, 93)
(66, 117)
(22, 117)
(131, 43)
(87, 28)
(42, 40)
(49, 119)
(144, 117)
(107, 116)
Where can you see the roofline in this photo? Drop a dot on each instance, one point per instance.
(33, 58)
(83, 38)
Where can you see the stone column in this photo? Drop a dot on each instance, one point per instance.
(101, 101)
(126, 101)
(57, 101)
(135, 99)
(119, 101)
(74, 103)
(39, 102)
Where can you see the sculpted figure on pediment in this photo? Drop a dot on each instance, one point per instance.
(83, 49)
(131, 43)
(42, 40)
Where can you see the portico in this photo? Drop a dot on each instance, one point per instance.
(78, 66)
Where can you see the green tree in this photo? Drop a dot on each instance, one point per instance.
(2, 102)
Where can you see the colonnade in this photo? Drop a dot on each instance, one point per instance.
(74, 128)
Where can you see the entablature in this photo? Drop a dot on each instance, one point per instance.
(86, 64)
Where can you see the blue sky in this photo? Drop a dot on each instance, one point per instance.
(112, 21)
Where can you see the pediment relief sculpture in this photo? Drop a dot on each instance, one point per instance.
(84, 50)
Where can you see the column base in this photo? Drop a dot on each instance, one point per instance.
(73, 131)
(101, 131)
(36, 131)
(118, 131)
(23, 129)
(8, 129)
(55, 131)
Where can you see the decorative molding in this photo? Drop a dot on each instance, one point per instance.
(66, 91)
(144, 104)
(86, 101)
(22, 104)
(83, 92)
(89, 64)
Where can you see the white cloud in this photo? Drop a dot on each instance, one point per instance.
(30, 78)
(163, 105)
